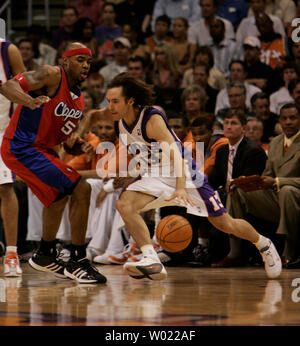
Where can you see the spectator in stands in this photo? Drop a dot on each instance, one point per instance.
(109, 29)
(254, 130)
(199, 31)
(295, 54)
(64, 32)
(285, 10)
(237, 100)
(294, 90)
(26, 49)
(84, 30)
(248, 26)
(200, 77)
(240, 157)
(137, 67)
(282, 96)
(95, 81)
(188, 9)
(138, 46)
(44, 54)
(237, 73)
(232, 10)
(166, 76)
(224, 50)
(272, 51)
(179, 123)
(202, 131)
(160, 33)
(261, 109)
(122, 50)
(193, 100)
(136, 12)
(279, 199)
(185, 50)
(89, 8)
(216, 78)
(258, 73)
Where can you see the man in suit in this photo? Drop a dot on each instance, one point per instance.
(240, 157)
(280, 198)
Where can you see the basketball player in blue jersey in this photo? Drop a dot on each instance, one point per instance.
(130, 102)
(50, 105)
(12, 64)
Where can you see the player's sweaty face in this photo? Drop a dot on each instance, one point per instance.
(117, 104)
(80, 66)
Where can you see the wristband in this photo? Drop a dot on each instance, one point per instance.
(23, 82)
(109, 186)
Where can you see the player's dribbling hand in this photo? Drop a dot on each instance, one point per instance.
(181, 196)
(38, 101)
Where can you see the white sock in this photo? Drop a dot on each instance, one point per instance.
(11, 249)
(148, 251)
(262, 242)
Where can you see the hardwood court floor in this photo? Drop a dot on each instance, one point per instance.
(189, 297)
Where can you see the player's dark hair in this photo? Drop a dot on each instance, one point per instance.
(141, 92)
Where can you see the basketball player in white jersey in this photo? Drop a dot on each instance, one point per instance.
(141, 124)
(11, 65)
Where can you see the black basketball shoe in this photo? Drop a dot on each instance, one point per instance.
(83, 272)
(46, 263)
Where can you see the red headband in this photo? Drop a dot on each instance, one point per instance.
(77, 51)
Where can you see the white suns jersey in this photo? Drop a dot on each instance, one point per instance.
(146, 151)
(5, 104)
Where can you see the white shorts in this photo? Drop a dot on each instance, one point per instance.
(6, 175)
(206, 200)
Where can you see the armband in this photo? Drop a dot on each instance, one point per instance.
(23, 82)
(109, 186)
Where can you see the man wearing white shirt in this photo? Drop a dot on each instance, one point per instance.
(236, 74)
(198, 32)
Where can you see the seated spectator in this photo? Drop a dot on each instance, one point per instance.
(282, 96)
(279, 200)
(240, 157)
(248, 26)
(294, 90)
(200, 77)
(185, 50)
(95, 81)
(193, 101)
(65, 31)
(160, 33)
(237, 100)
(166, 76)
(254, 130)
(44, 54)
(295, 55)
(122, 51)
(285, 10)
(258, 73)
(232, 10)
(188, 9)
(138, 46)
(224, 50)
(199, 31)
(272, 51)
(137, 67)
(179, 123)
(109, 29)
(203, 132)
(237, 73)
(216, 78)
(84, 30)
(89, 8)
(261, 110)
(27, 52)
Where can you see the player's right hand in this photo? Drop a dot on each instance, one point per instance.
(38, 101)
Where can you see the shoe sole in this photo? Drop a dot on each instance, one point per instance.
(44, 269)
(82, 281)
(155, 271)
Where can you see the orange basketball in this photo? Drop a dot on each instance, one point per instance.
(174, 233)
